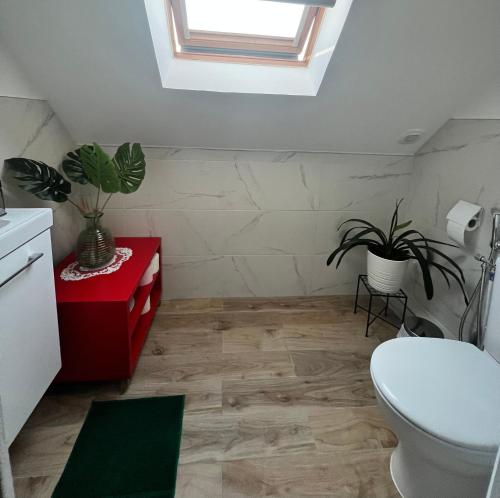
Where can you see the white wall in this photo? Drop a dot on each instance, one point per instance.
(13, 81)
(29, 128)
(462, 161)
(238, 223)
(482, 105)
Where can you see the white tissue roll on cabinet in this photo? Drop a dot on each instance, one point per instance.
(151, 270)
(29, 336)
(147, 306)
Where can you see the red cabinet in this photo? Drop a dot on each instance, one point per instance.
(101, 333)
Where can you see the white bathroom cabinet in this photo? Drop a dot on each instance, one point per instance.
(29, 337)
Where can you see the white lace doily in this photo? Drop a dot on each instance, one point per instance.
(75, 272)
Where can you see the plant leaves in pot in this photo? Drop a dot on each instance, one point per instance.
(389, 254)
(87, 165)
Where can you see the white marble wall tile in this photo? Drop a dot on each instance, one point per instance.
(236, 276)
(244, 223)
(67, 226)
(359, 183)
(459, 162)
(190, 277)
(233, 223)
(196, 233)
(247, 276)
(191, 185)
(327, 182)
(129, 222)
(268, 275)
(282, 185)
(217, 155)
(21, 122)
(225, 185)
(327, 223)
(29, 128)
(328, 280)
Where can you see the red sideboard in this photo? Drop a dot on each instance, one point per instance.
(101, 334)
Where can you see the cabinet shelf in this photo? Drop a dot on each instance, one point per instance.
(140, 298)
(101, 338)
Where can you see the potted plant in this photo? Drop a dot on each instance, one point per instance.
(90, 165)
(389, 253)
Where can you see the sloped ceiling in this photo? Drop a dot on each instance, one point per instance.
(399, 64)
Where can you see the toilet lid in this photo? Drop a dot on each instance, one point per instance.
(449, 389)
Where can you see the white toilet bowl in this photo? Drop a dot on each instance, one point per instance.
(442, 399)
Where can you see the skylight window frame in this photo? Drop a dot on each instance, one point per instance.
(242, 48)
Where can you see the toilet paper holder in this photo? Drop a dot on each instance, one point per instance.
(463, 217)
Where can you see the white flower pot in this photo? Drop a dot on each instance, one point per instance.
(385, 275)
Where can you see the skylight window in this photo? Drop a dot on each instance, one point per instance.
(250, 17)
(274, 47)
(244, 31)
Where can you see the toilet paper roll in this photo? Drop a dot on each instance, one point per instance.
(147, 306)
(155, 263)
(456, 232)
(151, 271)
(147, 278)
(463, 217)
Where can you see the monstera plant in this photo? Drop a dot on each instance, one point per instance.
(87, 165)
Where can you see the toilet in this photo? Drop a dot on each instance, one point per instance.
(442, 399)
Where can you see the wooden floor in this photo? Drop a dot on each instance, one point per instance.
(279, 402)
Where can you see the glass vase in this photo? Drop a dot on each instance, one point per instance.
(95, 247)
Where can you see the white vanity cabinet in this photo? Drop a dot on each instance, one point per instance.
(29, 337)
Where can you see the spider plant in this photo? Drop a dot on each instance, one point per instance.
(400, 244)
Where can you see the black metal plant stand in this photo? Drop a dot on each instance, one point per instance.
(382, 314)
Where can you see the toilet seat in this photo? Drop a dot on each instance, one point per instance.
(448, 389)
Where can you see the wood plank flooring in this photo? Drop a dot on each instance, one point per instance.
(279, 402)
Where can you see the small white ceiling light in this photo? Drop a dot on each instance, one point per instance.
(411, 136)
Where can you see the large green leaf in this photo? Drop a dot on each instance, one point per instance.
(364, 231)
(346, 247)
(401, 238)
(394, 221)
(360, 242)
(432, 241)
(401, 226)
(73, 167)
(367, 223)
(445, 270)
(424, 268)
(40, 179)
(99, 168)
(130, 167)
(445, 257)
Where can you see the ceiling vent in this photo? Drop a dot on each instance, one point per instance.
(411, 136)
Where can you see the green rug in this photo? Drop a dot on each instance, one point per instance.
(126, 449)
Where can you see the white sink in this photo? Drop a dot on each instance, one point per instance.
(20, 225)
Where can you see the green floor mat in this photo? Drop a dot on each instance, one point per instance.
(126, 449)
